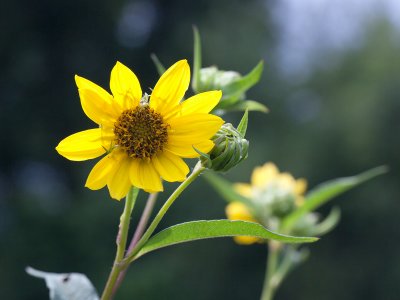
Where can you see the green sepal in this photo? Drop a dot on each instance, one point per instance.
(159, 66)
(206, 160)
(242, 127)
(327, 191)
(224, 160)
(198, 230)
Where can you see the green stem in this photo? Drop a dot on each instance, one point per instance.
(137, 235)
(285, 265)
(121, 242)
(157, 219)
(270, 286)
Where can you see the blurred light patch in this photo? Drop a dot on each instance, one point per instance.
(312, 31)
(136, 22)
(41, 183)
(303, 106)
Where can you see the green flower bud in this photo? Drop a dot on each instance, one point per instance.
(282, 205)
(306, 225)
(273, 204)
(229, 150)
(233, 86)
(213, 79)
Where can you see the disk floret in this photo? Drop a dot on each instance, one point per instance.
(141, 132)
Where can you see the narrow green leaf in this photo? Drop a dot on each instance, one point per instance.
(228, 101)
(197, 230)
(196, 60)
(225, 189)
(241, 85)
(328, 190)
(328, 223)
(159, 66)
(242, 127)
(250, 105)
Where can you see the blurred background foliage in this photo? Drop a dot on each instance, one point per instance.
(331, 81)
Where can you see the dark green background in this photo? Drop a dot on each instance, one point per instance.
(338, 119)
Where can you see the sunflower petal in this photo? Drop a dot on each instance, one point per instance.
(171, 87)
(170, 167)
(125, 86)
(246, 240)
(101, 172)
(83, 145)
(193, 128)
(238, 211)
(187, 150)
(119, 183)
(243, 189)
(95, 101)
(150, 177)
(134, 175)
(264, 174)
(301, 186)
(201, 103)
(144, 175)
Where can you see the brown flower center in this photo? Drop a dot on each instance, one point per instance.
(141, 132)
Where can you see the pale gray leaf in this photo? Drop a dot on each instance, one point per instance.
(66, 286)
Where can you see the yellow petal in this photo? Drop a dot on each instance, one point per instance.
(101, 172)
(193, 128)
(171, 87)
(243, 189)
(144, 175)
(187, 150)
(170, 167)
(301, 186)
(125, 86)
(246, 240)
(201, 103)
(85, 84)
(95, 101)
(238, 211)
(119, 182)
(82, 145)
(286, 180)
(262, 175)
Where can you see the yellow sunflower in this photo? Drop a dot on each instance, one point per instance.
(267, 181)
(268, 187)
(239, 211)
(144, 137)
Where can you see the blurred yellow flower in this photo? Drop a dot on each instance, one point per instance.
(268, 179)
(144, 137)
(239, 211)
(273, 193)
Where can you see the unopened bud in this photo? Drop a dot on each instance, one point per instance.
(213, 79)
(306, 225)
(229, 150)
